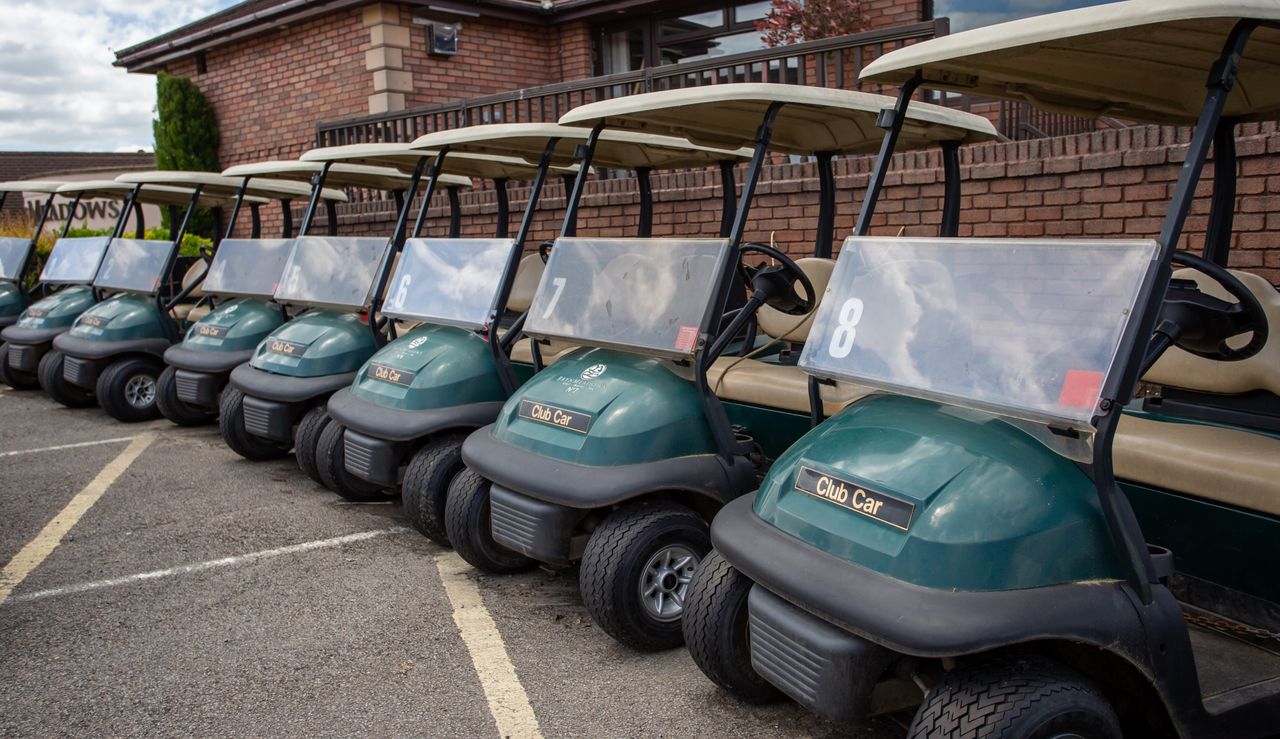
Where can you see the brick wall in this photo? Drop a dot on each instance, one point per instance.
(1109, 184)
(885, 13)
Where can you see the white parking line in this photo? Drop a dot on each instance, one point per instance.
(60, 447)
(35, 552)
(238, 559)
(508, 703)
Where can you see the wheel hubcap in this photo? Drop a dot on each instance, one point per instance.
(664, 581)
(140, 391)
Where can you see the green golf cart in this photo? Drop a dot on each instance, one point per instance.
(1014, 537)
(333, 286)
(620, 453)
(239, 286)
(17, 257)
(112, 353)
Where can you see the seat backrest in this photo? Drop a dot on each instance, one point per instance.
(1180, 369)
(528, 275)
(779, 325)
(194, 273)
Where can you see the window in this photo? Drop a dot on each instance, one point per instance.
(707, 32)
(966, 14)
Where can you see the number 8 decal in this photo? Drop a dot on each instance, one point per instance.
(847, 328)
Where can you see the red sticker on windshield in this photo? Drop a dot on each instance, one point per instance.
(1080, 389)
(687, 338)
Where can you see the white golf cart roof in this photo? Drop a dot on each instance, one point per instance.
(813, 119)
(218, 184)
(405, 158)
(150, 194)
(615, 149)
(47, 187)
(340, 175)
(1143, 60)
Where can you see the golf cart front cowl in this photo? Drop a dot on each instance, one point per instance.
(235, 326)
(12, 303)
(54, 312)
(320, 343)
(122, 318)
(939, 497)
(430, 367)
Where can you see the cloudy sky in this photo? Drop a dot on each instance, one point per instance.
(59, 92)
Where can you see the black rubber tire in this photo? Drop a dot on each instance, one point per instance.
(174, 408)
(425, 490)
(332, 466)
(466, 520)
(16, 379)
(613, 565)
(112, 384)
(1014, 698)
(49, 372)
(231, 426)
(305, 439)
(715, 630)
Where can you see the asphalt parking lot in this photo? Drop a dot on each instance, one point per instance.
(155, 583)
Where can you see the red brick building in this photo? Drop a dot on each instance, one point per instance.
(284, 76)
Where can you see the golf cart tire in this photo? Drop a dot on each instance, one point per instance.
(425, 489)
(112, 388)
(715, 626)
(174, 408)
(231, 426)
(332, 468)
(49, 373)
(466, 518)
(305, 439)
(16, 379)
(613, 565)
(1014, 698)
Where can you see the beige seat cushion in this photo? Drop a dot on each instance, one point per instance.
(1219, 464)
(550, 353)
(194, 273)
(197, 312)
(776, 386)
(528, 275)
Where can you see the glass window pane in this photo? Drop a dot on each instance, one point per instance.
(689, 51)
(653, 295)
(751, 11)
(449, 281)
(247, 267)
(331, 271)
(1028, 329)
(710, 20)
(134, 265)
(623, 51)
(13, 252)
(74, 260)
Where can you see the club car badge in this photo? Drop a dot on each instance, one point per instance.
(551, 415)
(857, 498)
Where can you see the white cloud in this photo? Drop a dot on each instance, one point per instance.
(58, 90)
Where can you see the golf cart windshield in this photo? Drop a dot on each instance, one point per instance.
(74, 260)
(1022, 328)
(449, 281)
(247, 268)
(13, 253)
(331, 272)
(134, 265)
(653, 295)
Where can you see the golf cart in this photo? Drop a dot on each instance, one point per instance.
(333, 285)
(619, 455)
(241, 280)
(17, 255)
(112, 353)
(405, 417)
(958, 544)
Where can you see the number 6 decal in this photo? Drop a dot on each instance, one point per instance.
(847, 328)
(557, 283)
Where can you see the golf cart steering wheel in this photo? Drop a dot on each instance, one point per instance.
(544, 250)
(777, 282)
(1204, 322)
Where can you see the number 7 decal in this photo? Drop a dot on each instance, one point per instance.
(558, 284)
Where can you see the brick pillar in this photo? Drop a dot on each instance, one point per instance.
(388, 39)
(575, 51)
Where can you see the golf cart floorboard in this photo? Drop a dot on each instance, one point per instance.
(1232, 670)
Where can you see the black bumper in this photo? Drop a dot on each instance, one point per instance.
(200, 361)
(534, 528)
(25, 357)
(74, 346)
(23, 335)
(910, 619)
(285, 388)
(395, 424)
(199, 388)
(587, 487)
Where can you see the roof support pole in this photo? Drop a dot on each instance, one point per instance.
(950, 225)
(645, 228)
(1222, 207)
(503, 227)
(728, 196)
(317, 187)
(891, 120)
(826, 206)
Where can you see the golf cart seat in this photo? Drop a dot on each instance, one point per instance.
(749, 380)
(1226, 465)
(187, 311)
(522, 291)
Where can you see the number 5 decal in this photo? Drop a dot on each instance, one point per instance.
(558, 284)
(847, 328)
